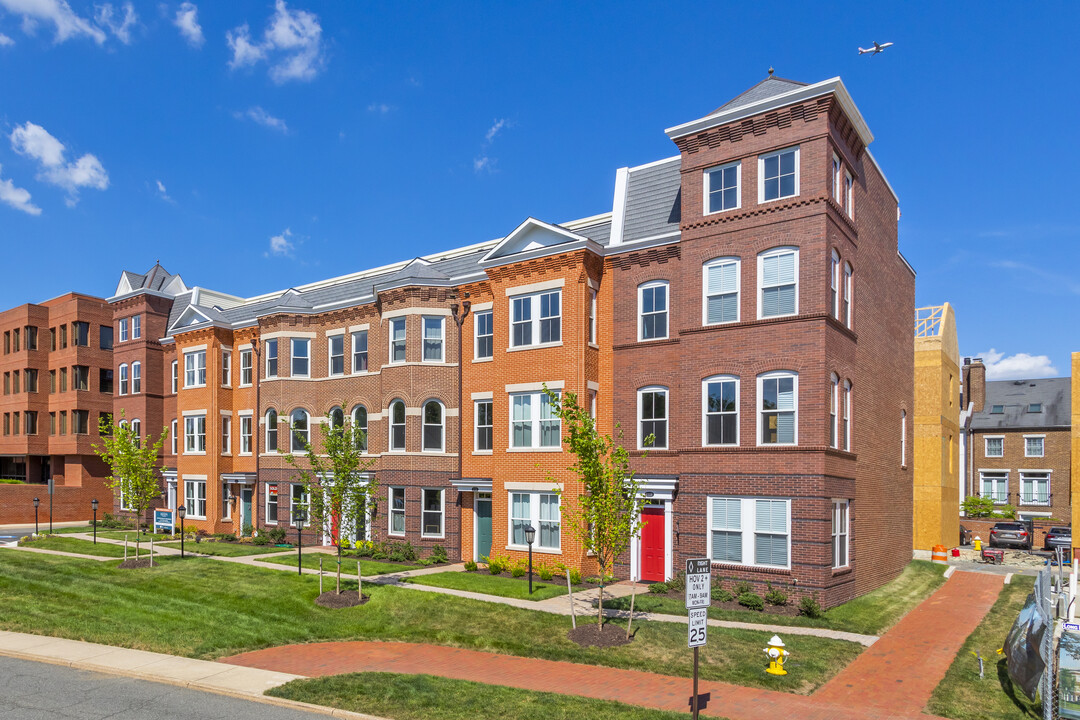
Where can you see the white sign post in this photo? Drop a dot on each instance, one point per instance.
(698, 598)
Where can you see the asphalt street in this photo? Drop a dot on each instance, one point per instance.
(39, 691)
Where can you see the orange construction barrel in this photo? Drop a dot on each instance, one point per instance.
(938, 554)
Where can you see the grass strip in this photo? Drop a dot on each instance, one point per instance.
(348, 565)
(82, 547)
(493, 585)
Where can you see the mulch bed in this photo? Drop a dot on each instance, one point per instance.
(140, 563)
(336, 600)
(592, 636)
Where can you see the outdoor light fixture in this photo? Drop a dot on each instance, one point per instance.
(530, 535)
(93, 504)
(37, 501)
(298, 520)
(181, 512)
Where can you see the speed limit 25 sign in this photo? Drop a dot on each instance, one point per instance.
(697, 627)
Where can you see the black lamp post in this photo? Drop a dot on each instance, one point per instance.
(181, 512)
(93, 504)
(37, 501)
(298, 518)
(530, 535)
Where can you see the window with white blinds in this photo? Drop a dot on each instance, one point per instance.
(750, 531)
(721, 278)
(778, 272)
(778, 408)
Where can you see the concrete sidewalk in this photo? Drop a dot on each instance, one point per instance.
(238, 681)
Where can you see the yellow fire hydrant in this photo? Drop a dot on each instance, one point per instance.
(978, 544)
(777, 655)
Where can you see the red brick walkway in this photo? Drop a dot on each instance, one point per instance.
(880, 685)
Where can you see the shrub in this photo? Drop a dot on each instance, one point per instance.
(439, 554)
(498, 565)
(276, 535)
(518, 568)
(248, 529)
(545, 571)
(575, 576)
(677, 583)
(751, 601)
(425, 561)
(774, 596)
(470, 566)
(659, 588)
(741, 588)
(399, 552)
(227, 537)
(809, 607)
(115, 523)
(722, 595)
(364, 548)
(261, 539)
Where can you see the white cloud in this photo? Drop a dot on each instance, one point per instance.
(53, 12)
(494, 130)
(5, 41)
(281, 245)
(109, 17)
(260, 116)
(163, 192)
(1020, 366)
(379, 108)
(17, 197)
(34, 141)
(187, 20)
(292, 43)
(483, 161)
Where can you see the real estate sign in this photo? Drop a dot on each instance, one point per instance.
(164, 520)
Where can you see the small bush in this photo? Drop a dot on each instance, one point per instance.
(722, 595)
(575, 576)
(678, 582)
(751, 601)
(741, 588)
(439, 554)
(227, 537)
(498, 565)
(276, 535)
(364, 548)
(774, 596)
(248, 530)
(519, 568)
(809, 607)
(401, 552)
(470, 566)
(425, 561)
(659, 588)
(545, 571)
(261, 539)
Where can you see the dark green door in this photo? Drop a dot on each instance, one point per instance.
(483, 527)
(245, 510)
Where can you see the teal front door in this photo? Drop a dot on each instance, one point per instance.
(245, 508)
(483, 526)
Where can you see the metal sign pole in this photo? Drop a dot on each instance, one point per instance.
(695, 698)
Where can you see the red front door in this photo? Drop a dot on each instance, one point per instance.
(652, 544)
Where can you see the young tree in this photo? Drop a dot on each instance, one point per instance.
(606, 516)
(337, 494)
(133, 466)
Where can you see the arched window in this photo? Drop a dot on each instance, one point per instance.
(653, 310)
(136, 378)
(778, 282)
(834, 285)
(123, 378)
(433, 426)
(653, 417)
(397, 425)
(834, 410)
(300, 435)
(845, 306)
(846, 436)
(271, 430)
(721, 278)
(136, 432)
(720, 398)
(359, 421)
(337, 419)
(778, 408)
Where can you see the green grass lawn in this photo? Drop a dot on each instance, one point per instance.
(494, 585)
(83, 547)
(208, 609)
(348, 565)
(871, 614)
(426, 697)
(961, 694)
(224, 549)
(111, 534)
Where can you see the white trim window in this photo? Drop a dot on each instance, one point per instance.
(778, 175)
(397, 426)
(834, 285)
(396, 520)
(174, 442)
(536, 319)
(484, 345)
(849, 194)
(837, 174)
(360, 351)
(1034, 487)
(397, 340)
(750, 531)
(592, 315)
(299, 501)
(122, 371)
(195, 498)
(834, 411)
(433, 326)
(136, 327)
(1034, 446)
(434, 432)
(226, 368)
(122, 330)
(336, 351)
(272, 503)
(246, 368)
(300, 357)
(360, 427)
(653, 417)
(136, 378)
(485, 425)
(226, 435)
(720, 407)
(721, 283)
(994, 446)
(778, 408)
(653, 310)
(194, 434)
(994, 485)
(845, 418)
(271, 430)
(175, 376)
(840, 533)
(195, 369)
(226, 501)
(245, 434)
(903, 438)
(136, 431)
(845, 304)
(722, 188)
(541, 510)
(432, 513)
(272, 358)
(778, 282)
(533, 423)
(299, 430)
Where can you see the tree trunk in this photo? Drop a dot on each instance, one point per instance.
(600, 605)
(630, 621)
(339, 566)
(570, 595)
(359, 581)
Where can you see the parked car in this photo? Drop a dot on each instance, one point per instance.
(1010, 534)
(1058, 537)
(965, 536)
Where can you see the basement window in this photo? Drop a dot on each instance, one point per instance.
(997, 409)
(1035, 408)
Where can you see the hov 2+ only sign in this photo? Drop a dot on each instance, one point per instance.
(698, 597)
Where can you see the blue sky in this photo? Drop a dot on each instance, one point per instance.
(251, 146)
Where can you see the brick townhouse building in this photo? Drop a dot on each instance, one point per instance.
(57, 385)
(1019, 443)
(713, 307)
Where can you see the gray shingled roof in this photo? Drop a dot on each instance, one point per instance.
(767, 88)
(653, 200)
(1016, 396)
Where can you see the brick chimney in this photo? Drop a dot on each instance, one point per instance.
(975, 384)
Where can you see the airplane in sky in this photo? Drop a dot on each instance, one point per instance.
(878, 47)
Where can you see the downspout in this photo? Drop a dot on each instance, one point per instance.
(459, 320)
(258, 428)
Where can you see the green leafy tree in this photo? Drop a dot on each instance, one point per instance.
(978, 507)
(338, 493)
(134, 469)
(606, 517)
